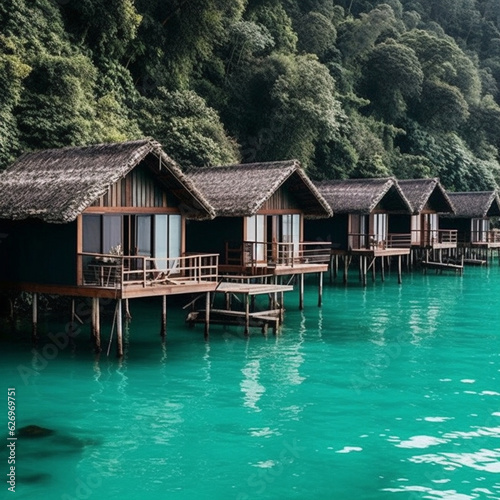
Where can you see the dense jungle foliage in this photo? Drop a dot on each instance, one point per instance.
(351, 88)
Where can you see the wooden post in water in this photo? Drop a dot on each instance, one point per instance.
(97, 328)
(346, 269)
(374, 262)
(382, 269)
(128, 316)
(399, 270)
(363, 269)
(301, 291)
(207, 315)
(119, 328)
(247, 314)
(34, 332)
(320, 289)
(163, 331)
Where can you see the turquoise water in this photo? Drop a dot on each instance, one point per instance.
(388, 392)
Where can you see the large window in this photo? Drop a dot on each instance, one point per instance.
(101, 233)
(158, 236)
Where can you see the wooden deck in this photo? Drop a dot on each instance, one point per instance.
(271, 317)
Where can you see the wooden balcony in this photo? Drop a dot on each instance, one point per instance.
(486, 239)
(130, 276)
(435, 238)
(371, 244)
(276, 258)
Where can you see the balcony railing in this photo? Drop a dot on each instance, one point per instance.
(116, 271)
(492, 236)
(434, 237)
(264, 254)
(369, 241)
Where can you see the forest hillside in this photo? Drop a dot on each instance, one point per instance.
(351, 88)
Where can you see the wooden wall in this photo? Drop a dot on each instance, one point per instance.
(139, 188)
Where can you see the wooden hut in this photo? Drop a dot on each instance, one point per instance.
(472, 219)
(260, 210)
(421, 229)
(360, 225)
(101, 221)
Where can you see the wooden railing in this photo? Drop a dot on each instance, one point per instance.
(431, 237)
(261, 254)
(369, 241)
(492, 236)
(116, 271)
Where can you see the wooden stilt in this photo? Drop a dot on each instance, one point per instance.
(128, 316)
(399, 270)
(97, 327)
(163, 331)
(119, 328)
(364, 269)
(331, 267)
(320, 289)
(247, 314)
(207, 316)
(93, 320)
(382, 269)
(34, 332)
(301, 291)
(374, 267)
(73, 314)
(282, 307)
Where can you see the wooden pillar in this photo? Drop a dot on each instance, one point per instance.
(207, 315)
(382, 269)
(346, 269)
(364, 270)
(301, 291)
(399, 270)
(282, 307)
(374, 267)
(119, 328)
(34, 304)
(128, 316)
(97, 327)
(331, 268)
(247, 314)
(320, 289)
(163, 330)
(93, 320)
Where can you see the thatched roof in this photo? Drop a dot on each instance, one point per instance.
(362, 196)
(426, 194)
(56, 185)
(476, 205)
(241, 190)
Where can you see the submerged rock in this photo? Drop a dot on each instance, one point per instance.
(34, 431)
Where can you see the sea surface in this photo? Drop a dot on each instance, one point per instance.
(386, 392)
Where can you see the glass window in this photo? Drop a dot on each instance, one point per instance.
(161, 240)
(111, 232)
(92, 233)
(174, 236)
(143, 237)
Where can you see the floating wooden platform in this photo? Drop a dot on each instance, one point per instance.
(443, 266)
(271, 317)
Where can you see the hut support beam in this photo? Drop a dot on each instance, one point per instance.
(96, 328)
(207, 315)
(163, 330)
(399, 270)
(247, 314)
(320, 289)
(301, 291)
(119, 328)
(128, 316)
(34, 332)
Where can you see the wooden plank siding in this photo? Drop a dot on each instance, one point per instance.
(137, 189)
(281, 202)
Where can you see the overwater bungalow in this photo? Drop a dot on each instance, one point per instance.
(360, 225)
(103, 221)
(428, 199)
(472, 220)
(260, 211)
